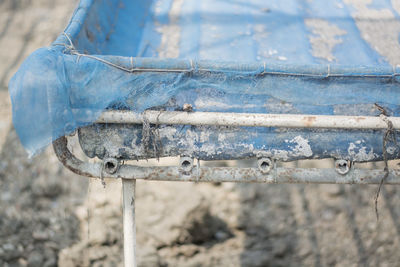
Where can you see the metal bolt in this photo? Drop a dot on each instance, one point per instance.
(186, 164)
(342, 166)
(265, 165)
(111, 165)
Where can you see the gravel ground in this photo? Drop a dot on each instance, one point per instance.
(51, 217)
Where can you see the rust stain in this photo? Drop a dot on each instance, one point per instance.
(308, 121)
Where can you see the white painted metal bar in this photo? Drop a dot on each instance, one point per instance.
(248, 119)
(128, 188)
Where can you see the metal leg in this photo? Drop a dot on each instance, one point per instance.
(128, 189)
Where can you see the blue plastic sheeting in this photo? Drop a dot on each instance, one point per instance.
(111, 56)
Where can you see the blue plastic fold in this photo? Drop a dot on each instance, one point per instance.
(67, 85)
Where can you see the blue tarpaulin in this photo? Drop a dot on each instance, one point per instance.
(299, 57)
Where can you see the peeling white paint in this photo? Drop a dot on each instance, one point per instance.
(205, 136)
(391, 150)
(302, 147)
(359, 152)
(379, 27)
(210, 149)
(171, 33)
(325, 38)
(190, 141)
(221, 137)
(281, 154)
(211, 143)
(168, 133)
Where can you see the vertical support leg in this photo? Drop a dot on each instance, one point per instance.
(128, 190)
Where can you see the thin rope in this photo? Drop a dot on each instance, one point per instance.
(73, 51)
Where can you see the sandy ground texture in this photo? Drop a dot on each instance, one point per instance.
(51, 217)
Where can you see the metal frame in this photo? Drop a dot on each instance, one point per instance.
(222, 174)
(267, 171)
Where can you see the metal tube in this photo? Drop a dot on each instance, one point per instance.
(128, 189)
(254, 175)
(248, 119)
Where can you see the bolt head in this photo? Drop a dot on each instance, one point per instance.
(342, 166)
(186, 164)
(265, 165)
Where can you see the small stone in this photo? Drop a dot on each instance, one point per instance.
(6, 196)
(50, 263)
(49, 254)
(98, 234)
(40, 235)
(22, 262)
(98, 253)
(328, 215)
(8, 247)
(189, 250)
(332, 190)
(221, 235)
(304, 252)
(35, 259)
(147, 257)
(52, 245)
(280, 249)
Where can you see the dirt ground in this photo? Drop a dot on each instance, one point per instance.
(51, 217)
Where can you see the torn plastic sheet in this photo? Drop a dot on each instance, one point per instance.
(54, 93)
(66, 86)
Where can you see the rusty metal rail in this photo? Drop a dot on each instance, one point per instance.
(193, 173)
(248, 119)
(267, 172)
